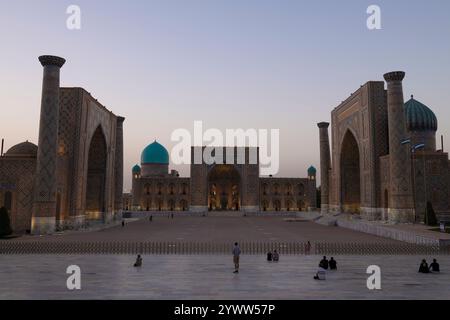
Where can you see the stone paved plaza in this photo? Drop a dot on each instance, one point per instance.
(210, 277)
(218, 229)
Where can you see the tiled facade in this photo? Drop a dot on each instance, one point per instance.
(17, 174)
(217, 187)
(75, 175)
(369, 171)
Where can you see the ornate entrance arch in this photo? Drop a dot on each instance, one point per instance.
(350, 174)
(224, 188)
(96, 176)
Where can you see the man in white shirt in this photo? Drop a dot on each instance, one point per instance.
(321, 274)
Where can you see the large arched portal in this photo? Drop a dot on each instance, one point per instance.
(96, 176)
(350, 175)
(7, 203)
(224, 184)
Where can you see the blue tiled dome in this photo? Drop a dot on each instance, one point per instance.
(419, 117)
(136, 169)
(155, 153)
(312, 171)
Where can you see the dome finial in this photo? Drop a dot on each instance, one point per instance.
(412, 96)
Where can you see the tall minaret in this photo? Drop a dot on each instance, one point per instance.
(325, 165)
(118, 167)
(401, 204)
(44, 205)
(135, 187)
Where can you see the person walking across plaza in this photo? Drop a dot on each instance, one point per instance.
(308, 248)
(236, 255)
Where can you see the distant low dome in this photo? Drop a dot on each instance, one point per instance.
(136, 169)
(312, 171)
(23, 150)
(155, 153)
(419, 117)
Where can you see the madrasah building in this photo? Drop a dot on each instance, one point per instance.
(383, 163)
(74, 176)
(231, 186)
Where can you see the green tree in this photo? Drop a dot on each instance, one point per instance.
(5, 223)
(430, 215)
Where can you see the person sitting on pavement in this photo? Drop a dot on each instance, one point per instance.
(333, 264)
(269, 256)
(324, 263)
(424, 267)
(138, 262)
(434, 266)
(276, 256)
(321, 274)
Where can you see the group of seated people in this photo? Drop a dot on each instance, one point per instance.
(331, 264)
(424, 268)
(324, 265)
(273, 256)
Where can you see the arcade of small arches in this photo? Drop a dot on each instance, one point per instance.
(163, 196)
(287, 189)
(163, 188)
(286, 196)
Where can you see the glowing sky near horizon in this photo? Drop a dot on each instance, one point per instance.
(231, 64)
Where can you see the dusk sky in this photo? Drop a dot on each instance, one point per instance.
(232, 64)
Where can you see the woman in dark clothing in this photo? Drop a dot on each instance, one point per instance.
(333, 264)
(424, 267)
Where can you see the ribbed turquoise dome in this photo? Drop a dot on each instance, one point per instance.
(311, 171)
(136, 169)
(155, 153)
(419, 117)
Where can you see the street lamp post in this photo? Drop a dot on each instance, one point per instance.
(413, 175)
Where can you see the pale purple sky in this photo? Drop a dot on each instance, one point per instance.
(232, 64)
